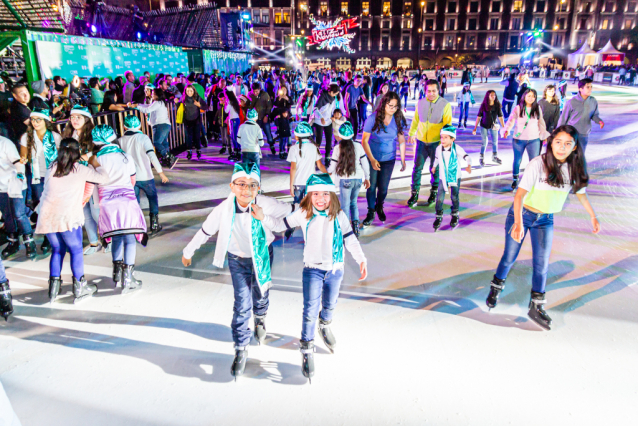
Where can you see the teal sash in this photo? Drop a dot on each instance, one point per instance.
(451, 168)
(50, 150)
(337, 239)
(109, 149)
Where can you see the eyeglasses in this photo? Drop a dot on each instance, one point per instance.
(393, 106)
(76, 117)
(37, 120)
(243, 186)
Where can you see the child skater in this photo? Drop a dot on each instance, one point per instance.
(337, 120)
(250, 254)
(350, 164)
(465, 98)
(6, 301)
(62, 215)
(121, 218)
(303, 157)
(140, 148)
(326, 230)
(547, 181)
(250, 138)
(447, 158)
(282, 121)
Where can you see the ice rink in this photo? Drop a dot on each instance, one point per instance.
(416, 343)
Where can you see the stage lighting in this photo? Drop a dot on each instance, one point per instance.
(93, 29)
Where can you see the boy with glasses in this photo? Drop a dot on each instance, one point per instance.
(250, 254)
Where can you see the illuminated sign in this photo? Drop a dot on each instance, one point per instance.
(331, 34)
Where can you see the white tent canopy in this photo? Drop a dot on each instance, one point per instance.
(609, 54)
(583, 56)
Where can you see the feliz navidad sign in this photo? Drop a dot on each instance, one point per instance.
(333, 34)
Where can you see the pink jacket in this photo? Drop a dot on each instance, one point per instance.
(535, 129)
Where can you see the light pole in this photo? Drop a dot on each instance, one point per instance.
(420, 31)
(458, 41)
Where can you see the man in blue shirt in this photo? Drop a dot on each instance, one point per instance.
(353, 93)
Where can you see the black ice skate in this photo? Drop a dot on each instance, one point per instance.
(46, 246)
(82, 290)
(260, 329)
(380, 212)
(355, 228)
(29, 244)
(536, 312)
(515, 183)
(496, 159)
(414, 197)
(496, 286)
(437, 222)
(13, 247)
(307, 359)
(455, 221)
(239, 363)
(326, 335)
(118, 271)
(366, 222)
(189, 155)
(55, 283)
(155, 225)
(482, 161)
(129, 282)
(432, 197)
(6, 301)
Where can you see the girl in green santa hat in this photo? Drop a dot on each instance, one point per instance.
(447, 159)
(250, 253)
(326, 230)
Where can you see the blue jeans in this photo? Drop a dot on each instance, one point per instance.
(283, 143)
(464, 109)
(234, 130)
(484, 134)
(124, 248)
(379, 183)
(454, 195)
(300, 192)
(507, 109)
(91, 216)
(363, 114)
(404, 96)
(320, 289)
(247, 296)
(148, 186)
(3, 274)
(61, 242)
(424, 150)
(541, 230)
(250, 157)
(533, 148)
(160, 138)
(583, 139)
(265, 127)
(14, 213)
(348, 195)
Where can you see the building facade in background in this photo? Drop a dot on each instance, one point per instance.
(408, 33)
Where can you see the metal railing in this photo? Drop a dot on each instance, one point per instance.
(115, 119)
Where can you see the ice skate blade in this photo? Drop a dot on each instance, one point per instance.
(544, 326)
(128, 290)
(81, 299)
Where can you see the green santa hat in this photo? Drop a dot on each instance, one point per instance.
(103, 134)
(345, 131)
(252, 115)
(448, 129)
(319, 183)
(150, 86)
(249, 170)
(81, 110)
(131, 122)
(303, 130)
(41, 113)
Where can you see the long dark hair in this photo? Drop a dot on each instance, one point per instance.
(311, 139)
(68, 155)
(161, 96)
(578, 176)
(31, 140)
(485, 105)
(380, 114)
(86, 137)
(232, 100)
(535, 112)
(305, 97)
(347, 165)
(554, 100)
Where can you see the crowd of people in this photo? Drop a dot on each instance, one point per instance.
(89, 177)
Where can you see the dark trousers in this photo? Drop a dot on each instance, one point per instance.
(247, 296)
(454, 195)
(507, 108)
(192, 130)
(423, 151)
(327, 132)
(148, 186)
(354, 120)
(379, 183)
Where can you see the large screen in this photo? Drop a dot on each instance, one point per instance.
(68, 59)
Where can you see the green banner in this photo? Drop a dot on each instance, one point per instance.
(67, 56)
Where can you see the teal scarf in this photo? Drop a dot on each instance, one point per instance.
(50, 150)
(452, 167)
(337, 238)
(261, 256)
(109, 149)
